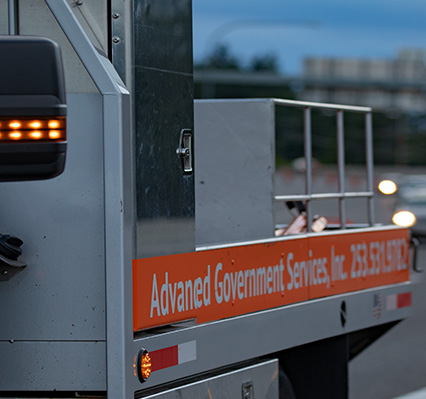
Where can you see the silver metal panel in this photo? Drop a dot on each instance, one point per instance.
(48, 366)
(220, 343)
(96, 65)
(61, 293)
(122, 40)
(93, 17)
(263, 379)
(118, 201)
(4, 26)
(163, 105)
(36, 19)
(234, 168)
(120, 246)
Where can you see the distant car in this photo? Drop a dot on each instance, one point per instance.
(410, 206)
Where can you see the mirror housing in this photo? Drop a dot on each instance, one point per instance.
(32, 109)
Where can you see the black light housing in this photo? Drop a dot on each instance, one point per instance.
(32, 109)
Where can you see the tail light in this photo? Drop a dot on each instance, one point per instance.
(32, 109)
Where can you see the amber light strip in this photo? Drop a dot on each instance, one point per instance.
(32, 123)
(32, 129)
(32, 135)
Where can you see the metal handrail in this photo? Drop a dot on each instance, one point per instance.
(13, 17)
(342, 195)
(309, 104)
(301, 197)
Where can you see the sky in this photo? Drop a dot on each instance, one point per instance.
(294, 30)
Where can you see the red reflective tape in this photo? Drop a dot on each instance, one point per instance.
(404, 300)
(163, 358)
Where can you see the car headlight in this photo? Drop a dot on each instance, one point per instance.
(387, 187)
(404, 219)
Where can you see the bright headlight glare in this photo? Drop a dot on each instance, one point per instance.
(404, 219)
(387, 187)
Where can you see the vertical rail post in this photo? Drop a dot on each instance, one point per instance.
(369, 161)
(308, 162)
(13, 17)
(341, 167)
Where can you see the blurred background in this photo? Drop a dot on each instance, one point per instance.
(357, 53)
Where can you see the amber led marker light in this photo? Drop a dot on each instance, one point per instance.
(144, 365)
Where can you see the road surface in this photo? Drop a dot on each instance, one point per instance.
(396, 363)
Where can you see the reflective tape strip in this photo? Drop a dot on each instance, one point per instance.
(164, 358)
(404, 300)
(187, 352)
(397, 301)
(173, 355)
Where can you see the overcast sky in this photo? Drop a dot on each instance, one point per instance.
(294, 30)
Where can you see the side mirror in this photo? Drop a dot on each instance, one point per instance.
(32, 109)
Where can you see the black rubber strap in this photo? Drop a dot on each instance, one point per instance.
(10, 246)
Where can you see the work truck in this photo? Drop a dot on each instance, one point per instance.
(142, 251)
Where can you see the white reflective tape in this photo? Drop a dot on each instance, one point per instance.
(187, 352)
(391, 302)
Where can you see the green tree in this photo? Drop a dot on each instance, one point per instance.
(267, 62)
(220, 58)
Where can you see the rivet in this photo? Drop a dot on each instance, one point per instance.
(116, 40)
(116, 15)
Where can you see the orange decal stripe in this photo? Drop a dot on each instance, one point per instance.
(221, 283)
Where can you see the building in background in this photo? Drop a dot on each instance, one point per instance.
(394, 88)
(397, 84)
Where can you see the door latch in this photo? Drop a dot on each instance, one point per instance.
(185, 150)
(247, 390)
